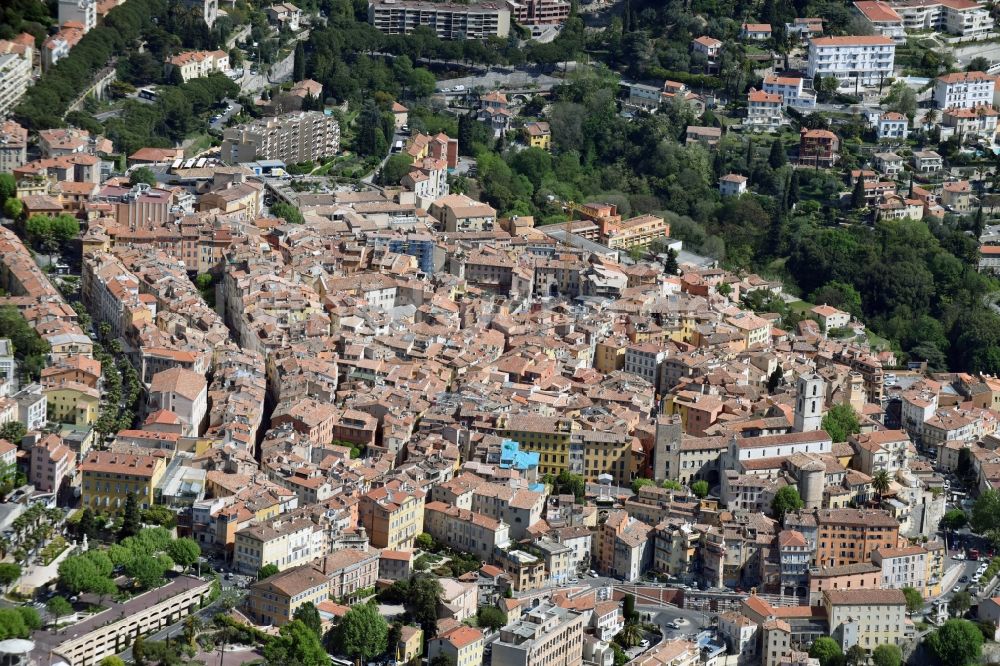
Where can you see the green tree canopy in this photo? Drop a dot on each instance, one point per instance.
(914, 600)
(59, 607)
(309, 616)
(267, 571)
(785, 501)
(954, 519)
(887, 655)
(287, 212)
(9, 572)
(641, 483)
(956, 643)
(395, 168)
(142, 174)
(184, 551)
(700, 488)
(491, 617)
(841, 422)
(296, 644)
(363, 632)
(827, 651)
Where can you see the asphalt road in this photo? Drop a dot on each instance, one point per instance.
(224, 115)
(500, 78)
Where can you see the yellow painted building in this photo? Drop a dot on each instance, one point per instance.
(393, 515)
(609, 354)
(73, 402)
(563, 444)
(108, 478)
(538, 135)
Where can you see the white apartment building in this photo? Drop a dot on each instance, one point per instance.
(428, 181)
(792, 89)
(198, 64)
(902, 567)
(964, 90)
(447, 20)
(283, 541)
(764, 109)
(882, 18)
(301, 136)
(865, 59)
(15, 76)
(83, 12)
(710, 46)
(964, 18)
(893, 125)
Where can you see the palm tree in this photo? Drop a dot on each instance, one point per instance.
(629, 636)
(880, 483)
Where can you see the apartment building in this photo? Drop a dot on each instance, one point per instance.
(13, 141)
(52, 463)
(109, 477)
(868, 618)
(636, 231)
(274, 600)
(850, 536)
(15, 76)
(964, 90)
(447, 20)
(964, 18)
(302, 136)
(461, 645)
(903, 567)
(710, 47)
(539, 12)
(284, 541)
(183, 392)
(73, 402)
(518, 508)
(465, 530)
(927, 161)
(459, 212)
(393, 515)
(865, 59)
(764, 109)
(546, 635)
(882, 18)
(792, 89)
(198, 64)
(892, 126)
(351, 572)
(57, 46)
(83, 12)
(818, 147)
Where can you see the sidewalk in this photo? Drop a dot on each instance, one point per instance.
(38, 576)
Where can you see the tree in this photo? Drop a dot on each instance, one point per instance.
(641, 483)
(9, 573)
(287, 212)
(887, 654)
(147, 571)
(59, 607)
(139, 651)
(954, 519)
(671, 484)
(901, 99)
(421, 602)
(113, 660)
(309, 616)
(776, 158)
(79, 573)
(130, 518)
(299, 66)
(267, 571)
(914, 600)
(670, 266)
(142, 174)
(774, 379)
(363, 633)
(32, 620)
(986, 514)
(786, 501)
(395, 168)
(13, 432)
(956, 643)
(296, 644)
(700, 488)
(491, 617)
(960, 603)
(858, 194)
(880, 483)
(827, 651)
(856, 656)
(424, 541)
(629, 636)
(840, 422)
(86, 527)
(13, 208)
(184, 551)
(628, 610)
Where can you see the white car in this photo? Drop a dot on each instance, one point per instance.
(644, 644)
